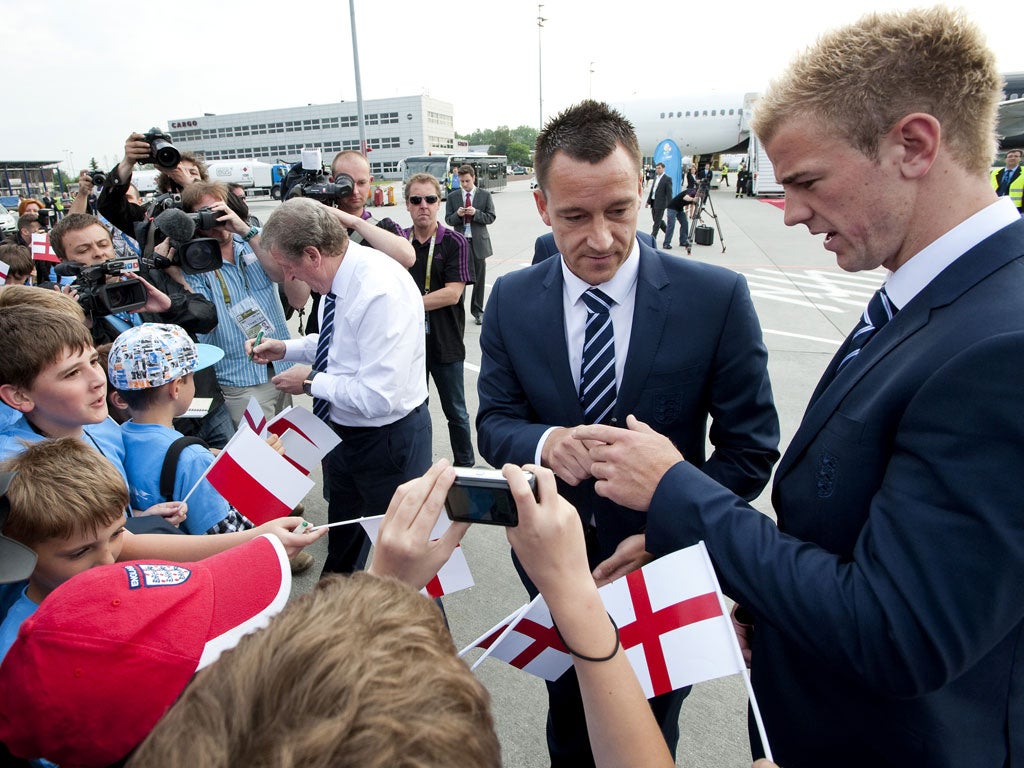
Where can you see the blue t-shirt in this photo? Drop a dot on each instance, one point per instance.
(105, 437)
(23, 607)
(145, 449)
(7, 416)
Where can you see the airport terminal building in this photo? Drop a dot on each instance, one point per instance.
(395, 129)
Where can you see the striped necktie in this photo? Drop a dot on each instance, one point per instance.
(879, 311)
(597, 373)
(322, 407)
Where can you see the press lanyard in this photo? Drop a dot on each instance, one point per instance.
(430, 257)
(224, 285)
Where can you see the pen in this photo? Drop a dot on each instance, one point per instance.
(259, 338)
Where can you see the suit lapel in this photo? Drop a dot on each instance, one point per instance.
(959, 277)
(650, 313)
(549, 316)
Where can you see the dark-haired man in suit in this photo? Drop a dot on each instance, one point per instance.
(1008, 181)
(657, 200)
(609, 328)
(887, 623)
(469, 210)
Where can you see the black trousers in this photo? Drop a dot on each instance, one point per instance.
(362, 474)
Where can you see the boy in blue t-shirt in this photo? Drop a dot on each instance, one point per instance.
(152, 367)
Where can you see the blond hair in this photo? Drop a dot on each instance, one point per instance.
(62, 488)
(425, 178)
(860, 80)
(361, 672)
(26, 295)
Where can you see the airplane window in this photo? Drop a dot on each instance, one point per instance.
(712, 113)
(731, 111)
(671, 114)
(687, 113)
(705, 113)
(662, 115)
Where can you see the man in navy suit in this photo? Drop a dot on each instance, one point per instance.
(886, 625)
(679, 343)
(1009, 181)
(657, 199)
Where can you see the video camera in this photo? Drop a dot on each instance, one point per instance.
(96, 296)
(309, 179)
(165, 218)
(99, 178)
(162, 153)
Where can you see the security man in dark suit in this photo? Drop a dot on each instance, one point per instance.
(657, 199)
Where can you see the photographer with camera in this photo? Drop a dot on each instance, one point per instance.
(178, 170)
(243, 290)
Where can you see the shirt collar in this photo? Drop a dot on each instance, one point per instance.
(911, 278)
(623, 282)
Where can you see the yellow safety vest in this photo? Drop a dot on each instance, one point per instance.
(1016, 187)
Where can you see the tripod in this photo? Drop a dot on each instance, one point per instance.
(704, 204)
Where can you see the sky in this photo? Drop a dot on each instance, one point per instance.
(83, 75)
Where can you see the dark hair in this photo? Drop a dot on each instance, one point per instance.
(590, 131)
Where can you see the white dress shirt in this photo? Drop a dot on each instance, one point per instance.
(376, 364)
(924, 266)
(622, 290)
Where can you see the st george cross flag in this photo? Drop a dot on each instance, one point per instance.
(672, 621)
(303, 426)
(255, 417)
(255, 479)
(41, 248)
(454, 574)
(527, 640)
(5, 270)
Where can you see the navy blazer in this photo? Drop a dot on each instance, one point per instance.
(480, 243)
(695, 353)
(889, 622)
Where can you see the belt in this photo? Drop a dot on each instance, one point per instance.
(342, 431)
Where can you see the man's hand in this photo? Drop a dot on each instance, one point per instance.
(156, 300)
(628, 463)
(628, 556)
(549, 538)
(84, 183)
(403, 548)
(290, 381)
(469, 211)
(267, 351)
(566, 456)
(226, 218)
(294, 532)
(174, 512)
(744, 634)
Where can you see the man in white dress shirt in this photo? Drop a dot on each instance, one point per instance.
(368, 378)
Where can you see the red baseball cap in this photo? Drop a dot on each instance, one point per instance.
(109, 651)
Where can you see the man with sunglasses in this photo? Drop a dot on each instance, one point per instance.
(442, 271)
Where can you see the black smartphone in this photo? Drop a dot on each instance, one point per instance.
(482, 496)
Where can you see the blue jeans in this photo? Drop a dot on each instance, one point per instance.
(451, 389)
(684, 226)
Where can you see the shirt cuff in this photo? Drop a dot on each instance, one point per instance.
(295, 351)
(540, 445)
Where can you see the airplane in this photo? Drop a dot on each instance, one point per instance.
(1010, 123)
(713, 122)
(700, 124)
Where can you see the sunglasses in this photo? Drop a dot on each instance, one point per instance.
(417, 199)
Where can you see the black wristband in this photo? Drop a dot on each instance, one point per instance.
(591, 658)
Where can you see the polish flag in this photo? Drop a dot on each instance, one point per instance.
(528, 641)
(5, 270)
(41, 248)
(672, 621)
(454, 574)
(255, 417)
(305, 427)
(256, 479)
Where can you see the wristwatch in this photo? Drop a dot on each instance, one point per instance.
(307, 385)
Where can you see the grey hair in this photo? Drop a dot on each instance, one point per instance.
(300, 223)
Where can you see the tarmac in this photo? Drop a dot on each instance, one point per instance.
(806, 306)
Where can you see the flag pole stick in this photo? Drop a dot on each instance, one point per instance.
(316, 528)
(477, 642)
(213, 463)
(739, 656)
(511, 625)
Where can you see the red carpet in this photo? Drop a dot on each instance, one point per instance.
(780, 203)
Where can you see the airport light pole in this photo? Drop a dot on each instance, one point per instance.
(363, 147)
(540, 69)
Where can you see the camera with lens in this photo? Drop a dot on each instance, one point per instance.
(162, 153)
(165, 219)
(98, 297)
(99, 178)
(204, 218)
(308, 178)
